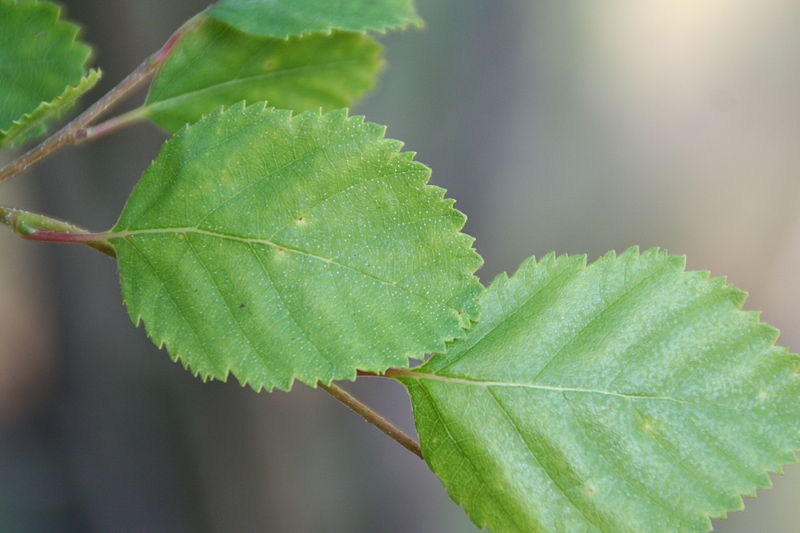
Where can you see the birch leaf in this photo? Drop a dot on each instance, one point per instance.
(280, 247)
(626, 396)
(214, 64)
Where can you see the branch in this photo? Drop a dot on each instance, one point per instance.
(373, 418)
(75, 132)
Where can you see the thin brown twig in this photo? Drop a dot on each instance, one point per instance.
(373, 417)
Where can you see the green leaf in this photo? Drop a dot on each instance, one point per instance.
(33, 124)
(286, 18)
(278, 247)
(214, 64)
(626, 396)
(42, 68)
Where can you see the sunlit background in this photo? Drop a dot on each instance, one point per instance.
(557, 125)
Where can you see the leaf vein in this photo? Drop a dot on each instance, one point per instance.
(672, 453)
(264, 181)
(554, 388)
(169, 294)
(501, 501)
(286, 308)
(228, 305)
(249, 240)
(599, 315)
(620, 470)
(546, 471)
(516, 310)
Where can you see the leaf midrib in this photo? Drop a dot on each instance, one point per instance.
(253, 240)
(410, 374)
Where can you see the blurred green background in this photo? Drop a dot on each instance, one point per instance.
(557, 125)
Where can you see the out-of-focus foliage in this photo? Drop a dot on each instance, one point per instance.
(215, 64)
(42, 68)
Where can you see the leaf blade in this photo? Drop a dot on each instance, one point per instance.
(598, 406)
(214, 64)
(279, 247)
(286, 18)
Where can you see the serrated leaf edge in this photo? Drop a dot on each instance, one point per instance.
(376, 54)
(403, 360)
(50, 110)
(502, 279)
(414, 21)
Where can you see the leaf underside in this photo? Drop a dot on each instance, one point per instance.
(626, 396)
(286, 18)
(214, 64)
(276, 247)
(42, 68)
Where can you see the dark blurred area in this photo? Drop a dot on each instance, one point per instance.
(566, 126)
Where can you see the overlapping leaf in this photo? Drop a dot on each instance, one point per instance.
(42, 68)
(286, 18)
(278, 247)
(628, 396)
(214, 64)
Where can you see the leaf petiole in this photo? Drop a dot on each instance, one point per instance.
(113, 124)
(373, 417)
(36, 227)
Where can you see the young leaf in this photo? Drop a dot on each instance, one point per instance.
(286, 18)
(42, 68)
(277, 247)
(214, 64)
(627, 396)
